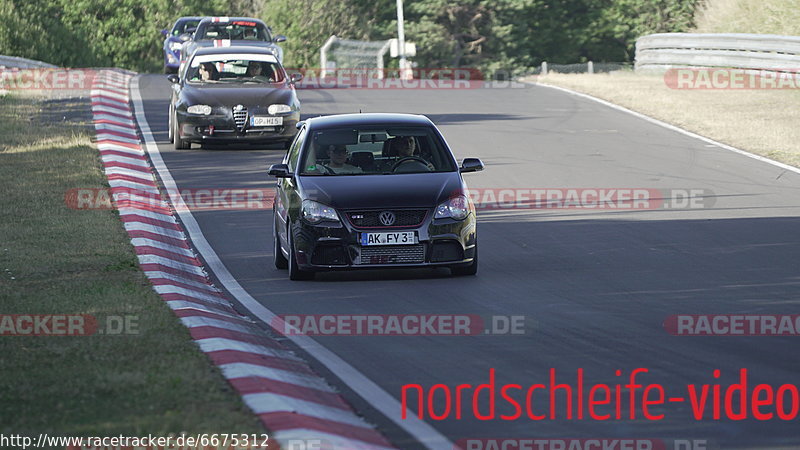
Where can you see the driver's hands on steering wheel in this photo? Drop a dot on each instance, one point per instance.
(415, 159)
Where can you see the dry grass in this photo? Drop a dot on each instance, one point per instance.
(749, 16)
(759, 121)
(55, 260)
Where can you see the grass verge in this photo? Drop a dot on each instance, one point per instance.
(763, 122)
(56, 260)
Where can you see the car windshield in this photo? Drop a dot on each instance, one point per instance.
(183, 26)
(375, 150)
(240, 30)
(243, 71)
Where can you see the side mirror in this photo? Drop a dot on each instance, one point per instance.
(174, 79)
(300, 124)
(471, 165)
(295, 77)
(185, 37)
(280, 171)
(164, 32)
(279, 38)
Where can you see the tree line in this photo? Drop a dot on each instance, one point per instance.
(486, 34)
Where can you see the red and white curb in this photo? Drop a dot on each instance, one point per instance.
(292, 401)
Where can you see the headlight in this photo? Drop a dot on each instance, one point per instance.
(456, 208)
(314, 212)
(175, 45)
(199, 109)
(279, 109)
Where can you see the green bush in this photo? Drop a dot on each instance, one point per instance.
(94, 33)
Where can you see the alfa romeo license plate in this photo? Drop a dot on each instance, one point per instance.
(265, 121)
(389, 238)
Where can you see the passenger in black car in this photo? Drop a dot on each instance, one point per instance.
(338, 164)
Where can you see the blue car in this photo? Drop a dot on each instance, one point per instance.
(173, 41)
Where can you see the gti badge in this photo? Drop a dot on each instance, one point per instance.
(387, 218)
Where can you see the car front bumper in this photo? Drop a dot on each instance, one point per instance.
(222, 129)
(327, 246)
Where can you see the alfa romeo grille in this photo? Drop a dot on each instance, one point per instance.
(403, 218)
(240, 117)
(393, 254)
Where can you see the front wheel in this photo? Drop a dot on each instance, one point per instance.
(280, 261)
(178, 142)
(295, 273)
(469, 270)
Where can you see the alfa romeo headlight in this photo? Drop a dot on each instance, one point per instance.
(279, 109)
(199, 109)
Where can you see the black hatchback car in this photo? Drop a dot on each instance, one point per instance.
(372, 191)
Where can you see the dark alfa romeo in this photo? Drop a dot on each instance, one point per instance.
(372, 191)
(233, 95)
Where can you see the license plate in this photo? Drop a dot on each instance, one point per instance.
(390, 238)
(263, 121)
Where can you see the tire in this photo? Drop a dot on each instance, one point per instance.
(178, 143)
(171, 127)
(469, 270)
(295, 273)
(280, 261)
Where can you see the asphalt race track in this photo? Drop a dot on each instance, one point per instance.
(595, 286)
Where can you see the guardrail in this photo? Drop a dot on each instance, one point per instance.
(22, 63)
(658, 52)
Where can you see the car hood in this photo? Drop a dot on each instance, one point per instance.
(240, 94)
(424, 190)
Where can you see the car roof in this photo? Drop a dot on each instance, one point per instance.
(233, 49)
(221, 19)
(368, 119)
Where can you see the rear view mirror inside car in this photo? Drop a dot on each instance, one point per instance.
(336, 137)
(373, 137)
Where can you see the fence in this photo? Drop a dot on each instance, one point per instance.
(659, 52)
(22, 63)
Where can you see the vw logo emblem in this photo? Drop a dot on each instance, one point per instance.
(387, 218)
(238, 108)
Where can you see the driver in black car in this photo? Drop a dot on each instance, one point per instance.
(405, 147)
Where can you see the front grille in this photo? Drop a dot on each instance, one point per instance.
(240, 118)
(393, 254)
(403, 218)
